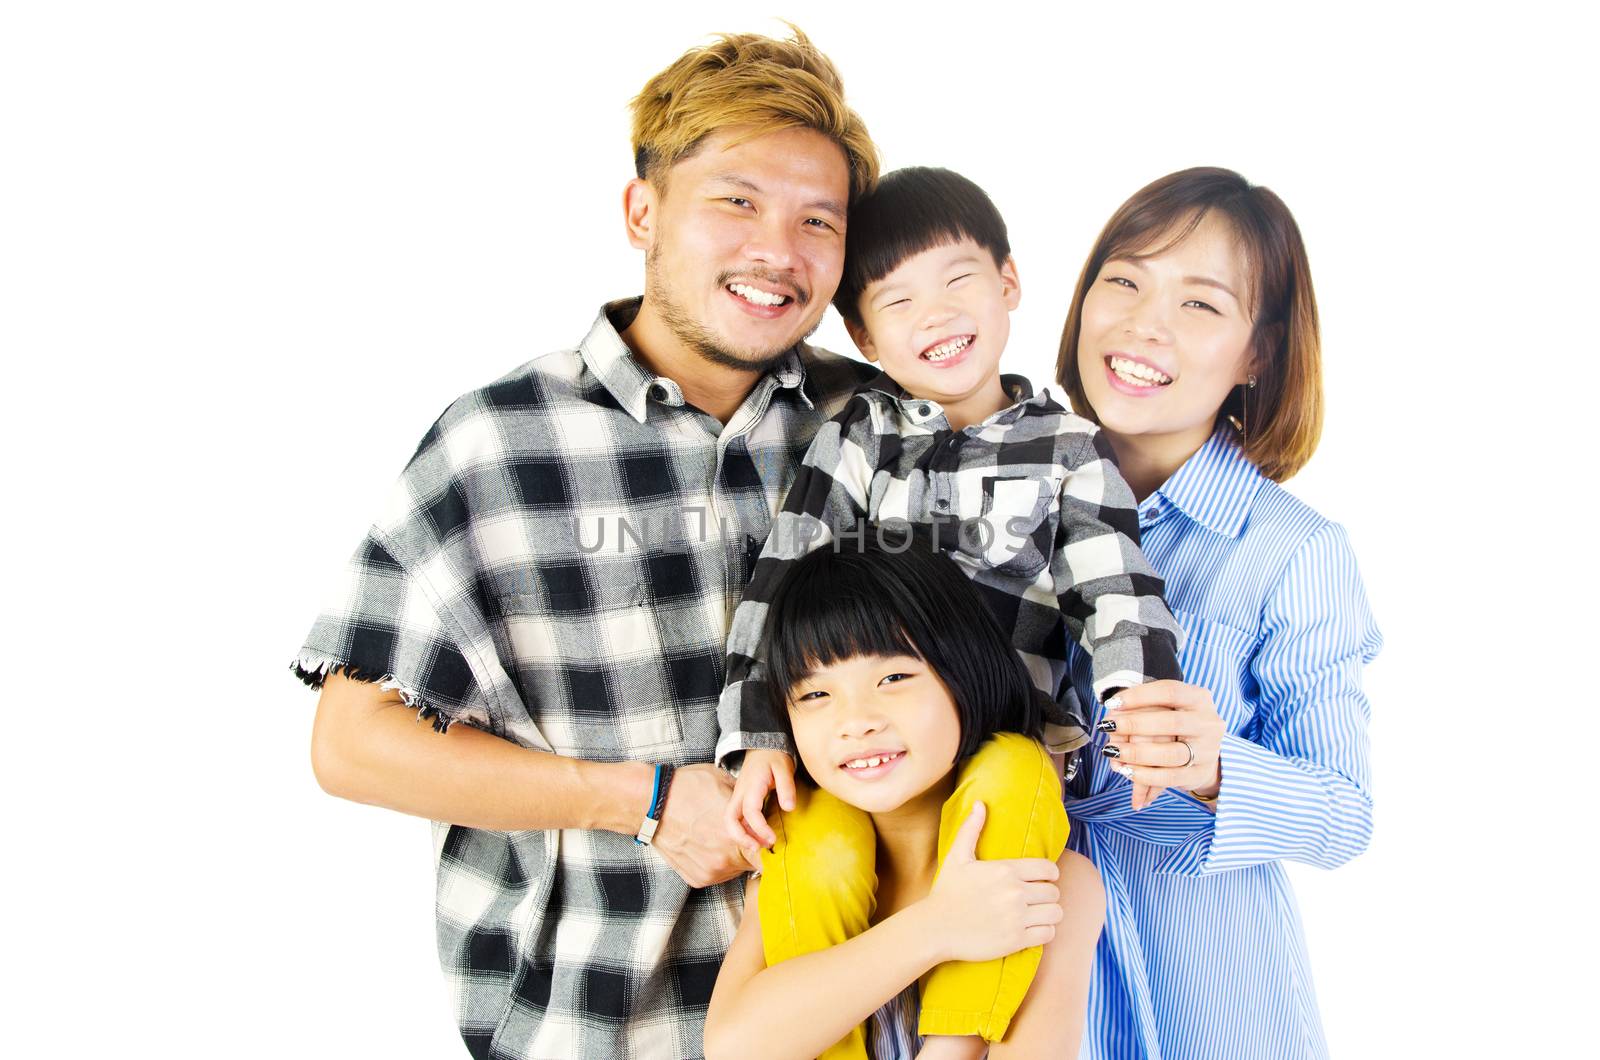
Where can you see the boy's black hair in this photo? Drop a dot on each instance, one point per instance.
(912, 210)
(896, 596)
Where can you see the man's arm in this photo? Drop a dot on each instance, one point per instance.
(367, 746)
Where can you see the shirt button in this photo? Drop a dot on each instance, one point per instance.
(923, 410)
(941, 503)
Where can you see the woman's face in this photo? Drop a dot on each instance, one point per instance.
(877, 731)
(1165, 338)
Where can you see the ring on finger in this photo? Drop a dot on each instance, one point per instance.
(1189, 749)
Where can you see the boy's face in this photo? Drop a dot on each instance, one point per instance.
(938, 323)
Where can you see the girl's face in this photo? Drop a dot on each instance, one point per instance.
(1164, 339)
(876, 731)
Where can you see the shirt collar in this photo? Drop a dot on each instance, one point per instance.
(1216, 486)
(920, 410)
(633, 385)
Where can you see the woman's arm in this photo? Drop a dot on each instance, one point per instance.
(1298, 787)
(801, 1006)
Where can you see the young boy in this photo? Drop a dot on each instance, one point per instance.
(1022, 494)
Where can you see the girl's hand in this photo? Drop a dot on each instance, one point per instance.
(763, 770)
(1166, 734)
(980, 910)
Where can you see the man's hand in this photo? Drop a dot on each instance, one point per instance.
(691, 836)
(763, 771)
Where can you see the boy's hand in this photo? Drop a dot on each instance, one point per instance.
(763, 771)
(981, 910)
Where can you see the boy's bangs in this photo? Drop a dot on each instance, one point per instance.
(913, 210)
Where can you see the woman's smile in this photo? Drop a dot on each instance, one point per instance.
(1134, 375)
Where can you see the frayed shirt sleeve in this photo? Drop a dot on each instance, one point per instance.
(827, 498)
(1297, 787)
(1111, 598)
(402, 614)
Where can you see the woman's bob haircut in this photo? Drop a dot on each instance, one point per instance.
(893, 594)
(1282, 414)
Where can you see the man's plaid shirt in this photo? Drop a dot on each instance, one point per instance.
(1029, 503)
(557, 566)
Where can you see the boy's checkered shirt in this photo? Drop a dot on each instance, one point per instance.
(1029, 503)
(557, 567)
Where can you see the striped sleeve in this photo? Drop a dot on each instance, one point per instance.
(828, 496)
(1299, 788)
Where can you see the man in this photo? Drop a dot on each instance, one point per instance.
(558, 565)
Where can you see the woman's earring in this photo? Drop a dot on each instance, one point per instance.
(1244, 401)
(1241, 422)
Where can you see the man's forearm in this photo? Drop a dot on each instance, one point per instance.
(368, 746)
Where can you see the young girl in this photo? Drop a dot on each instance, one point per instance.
(886, 700)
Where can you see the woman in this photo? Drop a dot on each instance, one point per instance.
(1192, 341)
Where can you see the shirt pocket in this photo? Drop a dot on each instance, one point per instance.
(590, 667)
(1217, 657)
(1013, 533)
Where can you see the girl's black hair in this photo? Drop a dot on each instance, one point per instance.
(894, 594)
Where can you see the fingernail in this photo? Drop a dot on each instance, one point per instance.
(1114, 703)
(1106, 725)
(1125, 769)
(1111, 751)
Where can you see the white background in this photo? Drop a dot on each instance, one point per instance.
(249, 251)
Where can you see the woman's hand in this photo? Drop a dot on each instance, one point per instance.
(980, 910)
(1166, 734)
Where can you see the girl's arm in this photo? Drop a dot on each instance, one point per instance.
(800, 1007)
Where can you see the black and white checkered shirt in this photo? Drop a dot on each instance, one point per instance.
(557, 566)
(1029, 503)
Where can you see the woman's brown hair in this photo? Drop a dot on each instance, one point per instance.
(1285, 407)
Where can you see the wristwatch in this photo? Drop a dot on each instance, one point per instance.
(658, 802)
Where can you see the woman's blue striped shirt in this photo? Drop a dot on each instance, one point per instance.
(1203, 954)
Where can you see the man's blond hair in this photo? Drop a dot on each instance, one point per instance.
(754, 82)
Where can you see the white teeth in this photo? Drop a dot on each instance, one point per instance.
(759, 297)
(1138, 374)
(868, 763)
(948, 349)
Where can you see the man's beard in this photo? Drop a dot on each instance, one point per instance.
(697, 337)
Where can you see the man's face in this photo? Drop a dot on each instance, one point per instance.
(747, 244)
